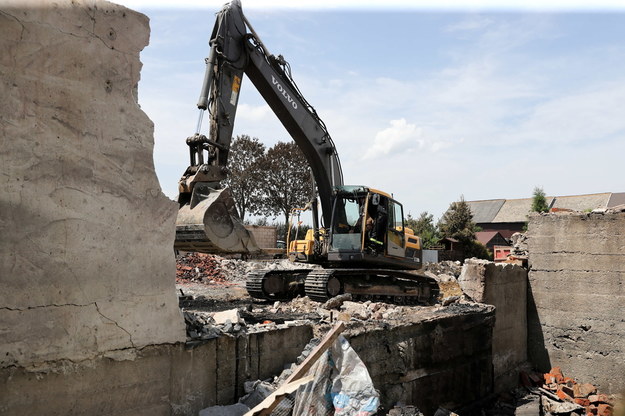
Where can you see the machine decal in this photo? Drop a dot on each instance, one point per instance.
(236, 86)
(283, 92)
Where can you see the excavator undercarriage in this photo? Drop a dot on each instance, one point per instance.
(393, 286)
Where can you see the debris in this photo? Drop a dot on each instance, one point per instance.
(232, 315)
(337, 301)
(291, 383)
(401, 410)
(257, 391)
(237, 409)
(444, 412)
(559, 408)
(341, 386)
(563, 395)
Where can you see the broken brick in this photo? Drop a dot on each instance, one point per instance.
(604, 409)
(563, 395)
(584, 390)
(568, 390)
(556, 372)
(582, 401)
(598, 398)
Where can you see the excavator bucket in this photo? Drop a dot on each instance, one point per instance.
(213, 226)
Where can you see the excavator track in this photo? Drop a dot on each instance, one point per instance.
(276, 284)
(392, 286)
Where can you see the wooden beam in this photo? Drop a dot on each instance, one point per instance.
(296, 378)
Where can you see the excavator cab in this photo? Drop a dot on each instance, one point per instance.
(368, 227)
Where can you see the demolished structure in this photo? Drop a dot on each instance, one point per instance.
(89, 312)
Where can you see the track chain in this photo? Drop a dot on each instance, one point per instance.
(316, 284)
(254, 284)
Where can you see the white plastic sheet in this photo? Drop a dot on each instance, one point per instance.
(341, 386)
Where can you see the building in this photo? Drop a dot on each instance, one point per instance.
(507, 216)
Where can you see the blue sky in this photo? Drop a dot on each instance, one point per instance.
(427, 103)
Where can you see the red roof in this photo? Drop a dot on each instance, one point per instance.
(484, 237)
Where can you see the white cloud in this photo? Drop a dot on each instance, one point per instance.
(404, 138)
(400, 136)
(253, 113)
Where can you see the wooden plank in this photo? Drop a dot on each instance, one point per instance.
(266, 406)
(271, 402)
(325, 343)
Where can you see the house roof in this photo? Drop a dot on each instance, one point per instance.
(484, 237)
(616, 199)
(582, 202)
(485, 211)
(517, 210)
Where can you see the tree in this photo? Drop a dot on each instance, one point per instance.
(539, 202)
(457, 223)
(424, 227)
(246, 174)
(287, 182)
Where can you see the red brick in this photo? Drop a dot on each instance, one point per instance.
(582, 401)
(604, 410)
(562, 394)
(556, 372)
(549, 378)
(584, 389)
(599, 398)
(567, 390)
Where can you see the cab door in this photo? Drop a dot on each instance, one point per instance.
(396, 242)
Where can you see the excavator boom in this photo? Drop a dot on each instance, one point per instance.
(207, 221)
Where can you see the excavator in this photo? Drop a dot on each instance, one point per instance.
(358, 235)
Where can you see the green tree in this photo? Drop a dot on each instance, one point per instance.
(424, 227)
(287, 181)
(246, 174)
(457, 223)
(539, 202)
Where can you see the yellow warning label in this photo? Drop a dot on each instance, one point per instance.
(236, 86)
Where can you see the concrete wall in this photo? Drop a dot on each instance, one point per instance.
(265, 236)
(576, 315)
(168, 379)
(503, 286)
(86, 259)
(444, 360)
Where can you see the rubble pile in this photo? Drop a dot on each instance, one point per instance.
(198, 267)
(447, 268)
(564, 395)
(519, 247)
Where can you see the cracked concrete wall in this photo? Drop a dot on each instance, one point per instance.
(86, 258)
(576, 296)
(168, 379)
(505, 287)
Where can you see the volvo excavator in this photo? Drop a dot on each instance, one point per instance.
(358, 235)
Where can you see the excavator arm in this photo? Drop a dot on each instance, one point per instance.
(207, 219)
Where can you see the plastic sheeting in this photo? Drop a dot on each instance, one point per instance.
(341, 385)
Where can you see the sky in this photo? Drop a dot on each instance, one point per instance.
(428, 101)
